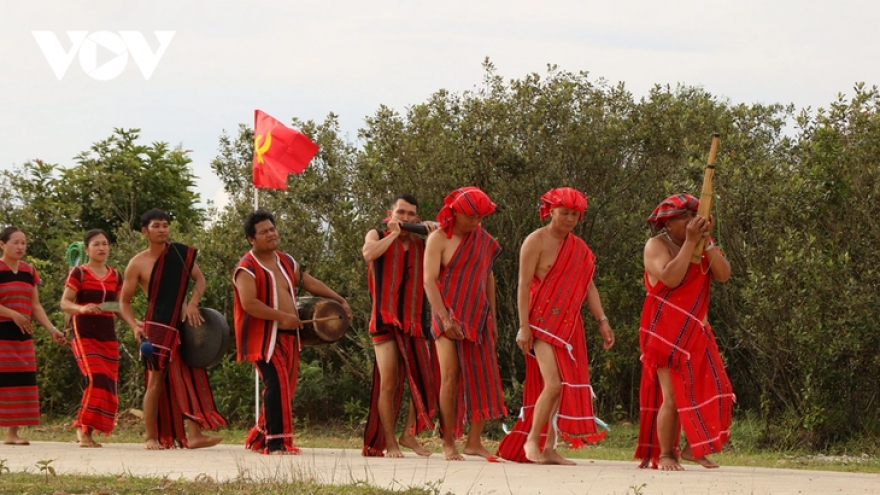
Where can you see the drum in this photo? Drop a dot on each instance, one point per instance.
(205, 345)
(325, 321)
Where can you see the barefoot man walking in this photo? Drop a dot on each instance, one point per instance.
(555, 278)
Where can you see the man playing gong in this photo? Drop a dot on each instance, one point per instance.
(178, 403)
(400, 333)
(265, 282)
(684, 383)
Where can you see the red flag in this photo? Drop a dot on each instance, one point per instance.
(278, 152)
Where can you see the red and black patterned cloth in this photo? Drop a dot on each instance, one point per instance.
(399, 314)
(187, 392)
(275, 354)
(96, 348)
(467, 201)
(673, 335)
(671, 207)
(19, 398)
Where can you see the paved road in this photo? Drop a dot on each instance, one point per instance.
(474, 476)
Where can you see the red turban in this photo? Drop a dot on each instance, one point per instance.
(563, 197)
(672, 207)
(467, 201)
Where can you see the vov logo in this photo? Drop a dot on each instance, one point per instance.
(86, 45)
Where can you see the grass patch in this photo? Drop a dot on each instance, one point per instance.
(36, 484)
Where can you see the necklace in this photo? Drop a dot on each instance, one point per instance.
(670, 239)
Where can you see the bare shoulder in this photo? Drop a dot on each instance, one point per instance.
(138, 263)
(656, 247)
(436, 240)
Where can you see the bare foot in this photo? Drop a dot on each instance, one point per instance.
(85, 439)
(152, 444)
(553, 457)
(450, 453)
(482, 452)
(704, 461)
(203, 441)
(533, 452)
(393, 452)
(411, 443)
(295, 451)
(668, 462)
(16, 441)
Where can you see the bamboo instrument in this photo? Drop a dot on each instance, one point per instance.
(707, 195)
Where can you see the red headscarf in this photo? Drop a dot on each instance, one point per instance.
(466, 200)
(672, 207)
(563, 197)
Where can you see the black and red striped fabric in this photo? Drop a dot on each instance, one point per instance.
(284, 366)
(673, 335)
(463, 285)
(96, 348)
(555, 317)
(671, 207)
(417, 367)
(187, 392)
(397, 287)
(255, 337)
(19, 397)
(399, 314)
(466, 200)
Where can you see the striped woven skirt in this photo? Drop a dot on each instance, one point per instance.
(19, 400)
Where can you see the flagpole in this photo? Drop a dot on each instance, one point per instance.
(256, 375)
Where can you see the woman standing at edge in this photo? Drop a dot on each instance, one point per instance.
(94, 336)
(19, 302)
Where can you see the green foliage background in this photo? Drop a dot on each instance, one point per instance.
(797, 216)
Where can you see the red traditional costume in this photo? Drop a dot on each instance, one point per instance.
(555, 317)
(275, 354)
(463, 286)
(187, 393)
(19, 399)
(399, 313)
(96, 348)
(673, 335)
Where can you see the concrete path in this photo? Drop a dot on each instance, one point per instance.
(473, 476)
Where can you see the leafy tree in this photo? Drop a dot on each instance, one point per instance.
(117, 180)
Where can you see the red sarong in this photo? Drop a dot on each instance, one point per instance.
(96, 348)
(397, 289)
(555, 317)
(19, 398)
(462, 283)
(187, 392)
(672, 335)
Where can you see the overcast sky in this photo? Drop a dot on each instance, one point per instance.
(306, 59)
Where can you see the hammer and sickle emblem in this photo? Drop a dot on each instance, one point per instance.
(261, 150)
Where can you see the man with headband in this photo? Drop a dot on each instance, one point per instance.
(461, 289)
(555, 278)
(684, 383)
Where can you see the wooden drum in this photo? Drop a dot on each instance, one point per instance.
(324, 321)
